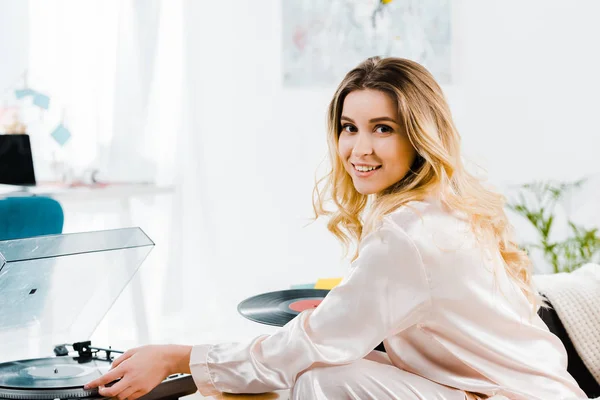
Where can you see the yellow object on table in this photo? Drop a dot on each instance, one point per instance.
(327, 283)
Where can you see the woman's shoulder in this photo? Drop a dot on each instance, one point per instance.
(429, 214)
(436, 231)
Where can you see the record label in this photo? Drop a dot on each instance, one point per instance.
(306, 304)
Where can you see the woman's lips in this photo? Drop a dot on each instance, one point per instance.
(365, 174)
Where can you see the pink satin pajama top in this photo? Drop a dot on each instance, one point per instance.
(443, 306)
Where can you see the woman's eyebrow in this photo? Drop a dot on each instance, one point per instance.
(378, 119)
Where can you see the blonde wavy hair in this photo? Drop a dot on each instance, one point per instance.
(438, 167)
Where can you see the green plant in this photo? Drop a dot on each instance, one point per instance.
(537, 202)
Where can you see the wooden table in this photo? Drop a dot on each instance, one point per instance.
(279, 395)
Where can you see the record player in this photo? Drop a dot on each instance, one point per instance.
(54, 291)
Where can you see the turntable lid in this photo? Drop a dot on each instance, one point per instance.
(56, 289)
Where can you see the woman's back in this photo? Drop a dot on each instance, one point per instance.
(480, 333)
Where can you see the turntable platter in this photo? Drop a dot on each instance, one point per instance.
(64, 377)
(49, 378)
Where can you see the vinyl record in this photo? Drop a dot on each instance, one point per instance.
(63, 378)
(279, 308)
(50, 372)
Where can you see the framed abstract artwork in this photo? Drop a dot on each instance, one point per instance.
(323, 40)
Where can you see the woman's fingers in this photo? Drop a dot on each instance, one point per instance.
(114, 390)
(139, 371)
(129, 394)
(122, 358)
(105, 379)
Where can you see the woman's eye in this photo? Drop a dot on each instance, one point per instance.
(384, 129)
(348, 128)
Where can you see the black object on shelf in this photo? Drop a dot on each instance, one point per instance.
(16, 160)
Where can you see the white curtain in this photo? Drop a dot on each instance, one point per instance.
(112, 70)
(99, 63)
(72, 59)
(188, 93)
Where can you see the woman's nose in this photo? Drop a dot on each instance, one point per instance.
(363, 145)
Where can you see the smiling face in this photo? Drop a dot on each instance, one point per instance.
(374, 149)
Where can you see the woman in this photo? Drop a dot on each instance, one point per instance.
(436, 275)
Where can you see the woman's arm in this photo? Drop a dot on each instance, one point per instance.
(386, 292)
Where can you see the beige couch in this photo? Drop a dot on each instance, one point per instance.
(574, 316)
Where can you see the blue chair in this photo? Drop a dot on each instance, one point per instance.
(22, 217)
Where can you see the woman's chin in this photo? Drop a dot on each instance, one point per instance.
(367, 189)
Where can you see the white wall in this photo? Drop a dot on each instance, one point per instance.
(519, 103)
(528, 79)
(526, 97)
(524, 100)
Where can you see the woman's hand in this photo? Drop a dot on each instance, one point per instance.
(142, 369)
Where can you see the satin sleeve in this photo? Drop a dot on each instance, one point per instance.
(385, 292)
